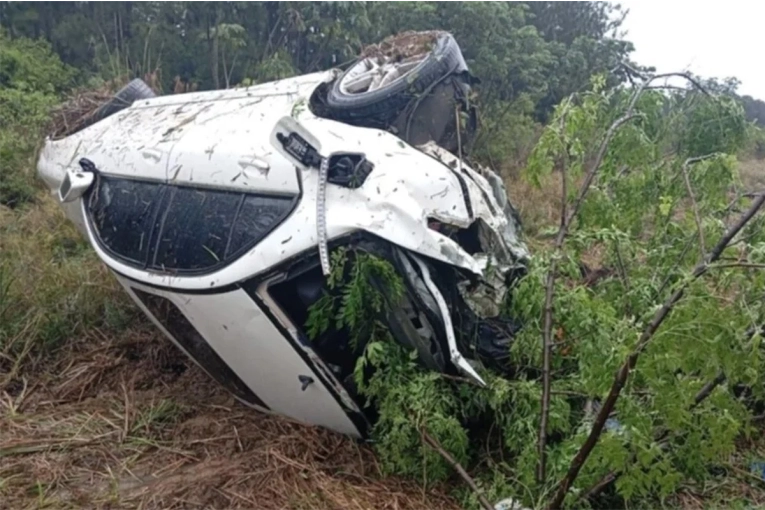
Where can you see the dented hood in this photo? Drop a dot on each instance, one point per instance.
(216, 138)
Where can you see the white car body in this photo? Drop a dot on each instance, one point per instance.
(225, 140)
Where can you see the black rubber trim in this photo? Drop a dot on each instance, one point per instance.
(192, 292)
(465, 194)
(287, 266)
(483, 193)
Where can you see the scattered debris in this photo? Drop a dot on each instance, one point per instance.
(78, 109)
(509, 504)
(403, 45)
(757, 468)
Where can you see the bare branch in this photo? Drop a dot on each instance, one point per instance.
(622, 270)
(631, 71)
(745, 265)
(430, 441)
(693, 81)
(566, 220)
(708, 388)
(623, 373)
(546, 354)
(548, 319)
(459, 379)
(694, 204)
(565, 224)
(601, 484)
(667, 87)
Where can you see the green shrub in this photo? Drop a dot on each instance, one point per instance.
(635, 225)
(32, 79)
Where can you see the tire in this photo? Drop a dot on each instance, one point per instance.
(445, 58)
(126, 96)
(75, 122)
(418, 306)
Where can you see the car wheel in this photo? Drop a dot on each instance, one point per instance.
(380, 85)
(415, 322)
(126, 96)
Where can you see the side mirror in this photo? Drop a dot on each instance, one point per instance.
(74, 185)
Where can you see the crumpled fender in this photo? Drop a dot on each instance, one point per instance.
(400, 219)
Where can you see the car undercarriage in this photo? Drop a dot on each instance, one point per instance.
(218, 211)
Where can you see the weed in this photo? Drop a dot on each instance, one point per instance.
(156, 416)
(50, 295)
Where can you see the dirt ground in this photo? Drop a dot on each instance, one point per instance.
(127, 422)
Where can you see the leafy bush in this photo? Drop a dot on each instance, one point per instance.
(640, 227)
(31, 65)
(52, 286)
(715, 124)
(32, 78)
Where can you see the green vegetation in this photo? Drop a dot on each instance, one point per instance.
(663, 193)
(31, 81)
(642, 222)
(52, 287)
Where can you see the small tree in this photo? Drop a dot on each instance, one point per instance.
(635, 381)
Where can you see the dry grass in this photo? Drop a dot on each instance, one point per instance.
(51, 285)
(539, 208)
(752, 174)
(403, 45)
(98, 412)
(127, 422)
(78, 109)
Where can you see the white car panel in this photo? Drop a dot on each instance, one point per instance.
(220, 139)
(244, 337)
(383, 206)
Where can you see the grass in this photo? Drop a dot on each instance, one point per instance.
(98, 428)
(53, 286)
(752, 173)
(97, 410)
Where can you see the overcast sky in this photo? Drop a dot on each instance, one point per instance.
(708, 38)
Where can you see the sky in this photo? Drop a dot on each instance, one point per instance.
(708, 38)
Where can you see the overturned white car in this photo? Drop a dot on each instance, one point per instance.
(215, 211)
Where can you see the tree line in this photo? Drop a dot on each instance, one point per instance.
(545, 50)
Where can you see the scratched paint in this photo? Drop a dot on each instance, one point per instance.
(212, 139)
(223, 144)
